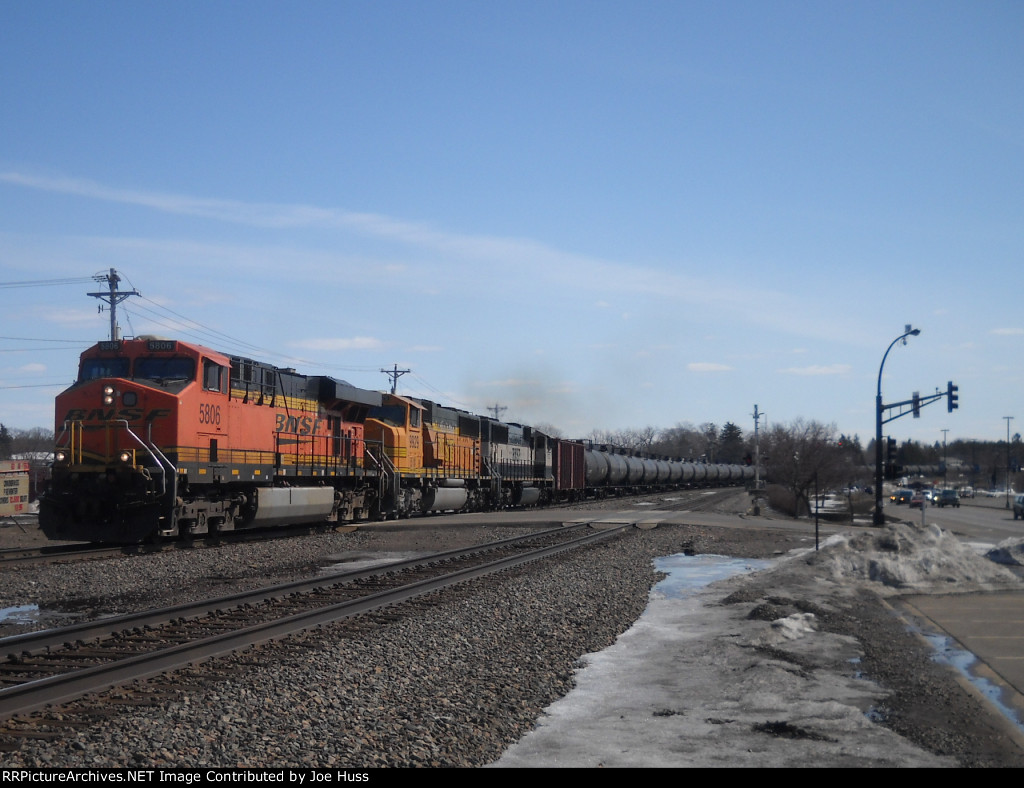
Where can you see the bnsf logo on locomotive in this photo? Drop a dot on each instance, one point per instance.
(305, 425)
(109, 414)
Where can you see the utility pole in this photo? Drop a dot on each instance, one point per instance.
(757, 463)
(395, 374)
(112, 297)
(497, 410)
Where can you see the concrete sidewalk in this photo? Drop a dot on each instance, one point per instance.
(988, 625)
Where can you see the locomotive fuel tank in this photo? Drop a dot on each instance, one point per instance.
(439, 499)
(287, 505)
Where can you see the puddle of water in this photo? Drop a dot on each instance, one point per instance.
(687, 573)
(947, 654)
(21, 614)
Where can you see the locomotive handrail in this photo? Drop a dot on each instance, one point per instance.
(69, 432)
(158, 456)
(387, 469)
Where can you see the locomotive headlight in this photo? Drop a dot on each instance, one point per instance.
(126, 456)
(108, 395)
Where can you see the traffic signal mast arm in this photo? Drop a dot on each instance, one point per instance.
(917, 402)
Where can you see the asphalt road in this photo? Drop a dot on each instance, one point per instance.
(978, 519)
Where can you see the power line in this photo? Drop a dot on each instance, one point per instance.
(47, 282)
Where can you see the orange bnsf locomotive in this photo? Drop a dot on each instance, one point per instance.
(162, 438)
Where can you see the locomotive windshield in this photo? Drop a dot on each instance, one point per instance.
(390, 414)
(93, 368)
(176, 368)
(165, 369)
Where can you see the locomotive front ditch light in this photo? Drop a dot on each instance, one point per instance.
(60, 456)
(126, 456)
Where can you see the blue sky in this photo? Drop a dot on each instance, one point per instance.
(599, 215)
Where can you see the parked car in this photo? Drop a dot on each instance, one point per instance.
(966, 492)
(1018, 507)
(917, 500)
(948, 498)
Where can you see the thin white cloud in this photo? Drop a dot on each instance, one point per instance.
(702, 296)
(817, 369)
(708, 366)
(510, 382)
(339, 343)
(1008, 331)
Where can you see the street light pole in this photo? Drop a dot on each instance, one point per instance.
(944, 458)
(879, 516)
(1008, 420)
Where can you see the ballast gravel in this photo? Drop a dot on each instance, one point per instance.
(452, 684)
(451, 681)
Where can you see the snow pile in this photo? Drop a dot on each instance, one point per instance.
(908, 557)
(1009, 551)
(795, 626)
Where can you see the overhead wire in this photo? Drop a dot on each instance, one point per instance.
(180, 323)
(48, 282)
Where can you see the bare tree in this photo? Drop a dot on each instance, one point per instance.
(682, 440)
(550, 430)
(802, 455)
(36, 441)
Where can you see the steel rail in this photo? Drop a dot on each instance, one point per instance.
(31, 643)
(36, 694)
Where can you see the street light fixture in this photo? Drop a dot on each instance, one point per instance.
(879, 516)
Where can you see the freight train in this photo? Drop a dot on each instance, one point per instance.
(160, 438)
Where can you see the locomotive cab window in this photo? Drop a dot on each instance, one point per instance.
(213, 376)
(94, 368)
(389, 414)
(165, 369)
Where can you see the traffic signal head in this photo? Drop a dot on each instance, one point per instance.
(952, 396)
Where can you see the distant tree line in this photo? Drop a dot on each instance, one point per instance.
(19, 443)
(807, 455)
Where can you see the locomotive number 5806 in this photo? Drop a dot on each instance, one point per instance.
(209, 414)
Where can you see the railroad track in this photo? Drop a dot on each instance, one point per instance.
(53, 667)
(51, 553)
(679, 500)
